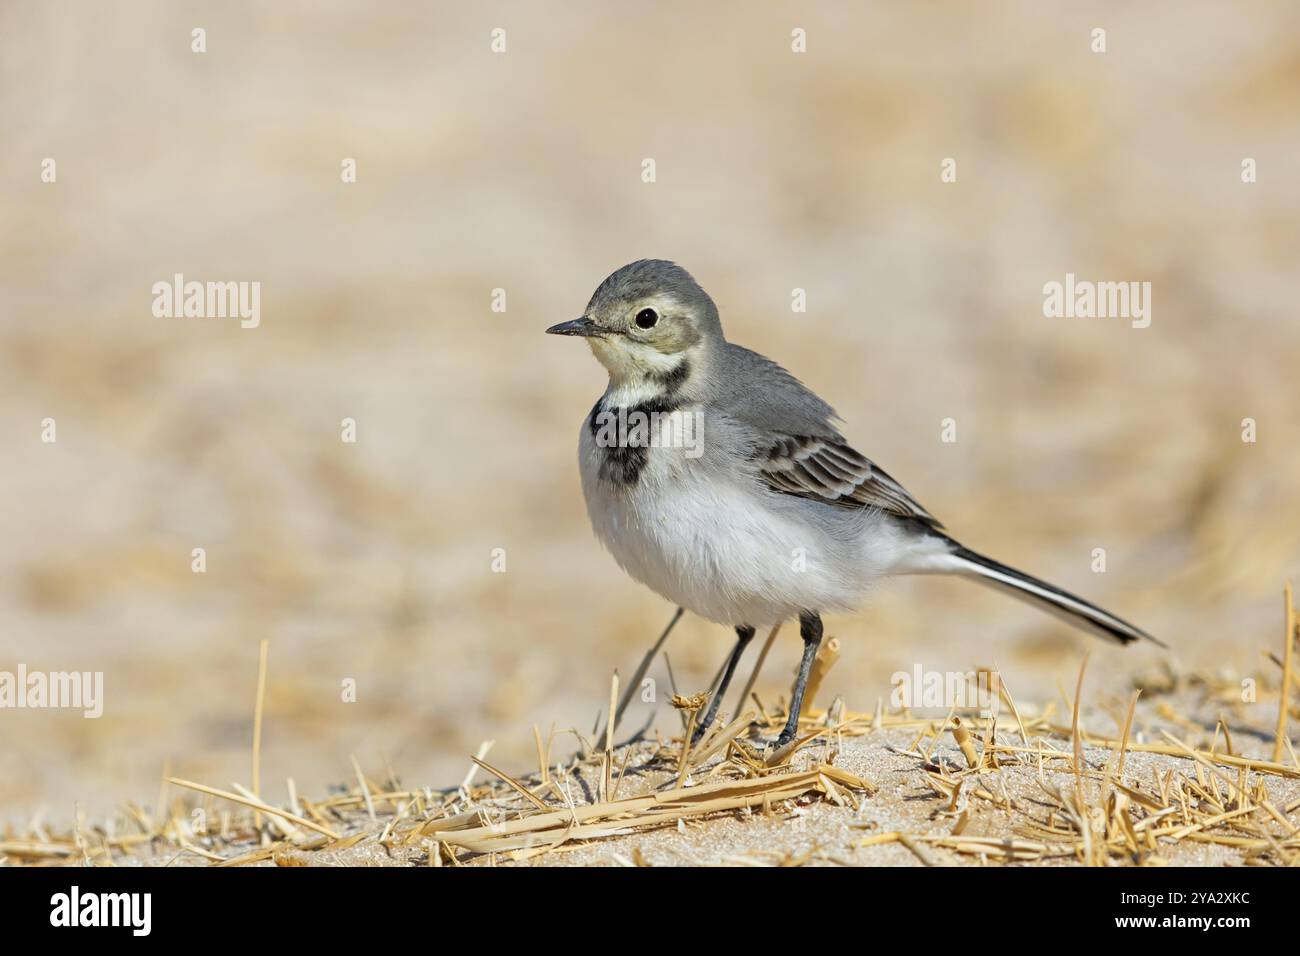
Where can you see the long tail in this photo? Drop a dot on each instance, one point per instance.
(1070, 608)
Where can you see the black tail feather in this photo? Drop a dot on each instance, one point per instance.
(1070, 607)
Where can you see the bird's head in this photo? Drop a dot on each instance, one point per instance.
(649, 321)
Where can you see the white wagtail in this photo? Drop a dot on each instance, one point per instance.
(770, 513)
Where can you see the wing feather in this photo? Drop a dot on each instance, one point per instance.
(800, 452)
(825, 468)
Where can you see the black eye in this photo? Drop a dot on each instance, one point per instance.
(647, 319)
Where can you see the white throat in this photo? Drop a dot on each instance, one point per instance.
(637, 372)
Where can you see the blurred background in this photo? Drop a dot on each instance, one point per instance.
(522, 171)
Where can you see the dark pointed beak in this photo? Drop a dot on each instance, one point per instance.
(582, 326)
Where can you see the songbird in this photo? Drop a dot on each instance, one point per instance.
(718, 480)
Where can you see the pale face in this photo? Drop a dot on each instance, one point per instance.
(644, 336)
(650, 325)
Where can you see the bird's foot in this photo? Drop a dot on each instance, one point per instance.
(763, 743)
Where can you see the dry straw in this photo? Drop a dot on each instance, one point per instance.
(1059, 793)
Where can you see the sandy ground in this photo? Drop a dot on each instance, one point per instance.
(905, 796)
(814, 831)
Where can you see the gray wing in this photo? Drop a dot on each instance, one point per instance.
(825, 468)
(799, 451)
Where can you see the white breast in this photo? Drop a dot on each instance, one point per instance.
(704, 533)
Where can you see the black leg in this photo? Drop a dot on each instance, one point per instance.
(810, 629)
(634, 686)
(744, 634)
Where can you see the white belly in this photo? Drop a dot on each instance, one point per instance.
(715, 541)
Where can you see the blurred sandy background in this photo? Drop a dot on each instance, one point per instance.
(522, 171)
